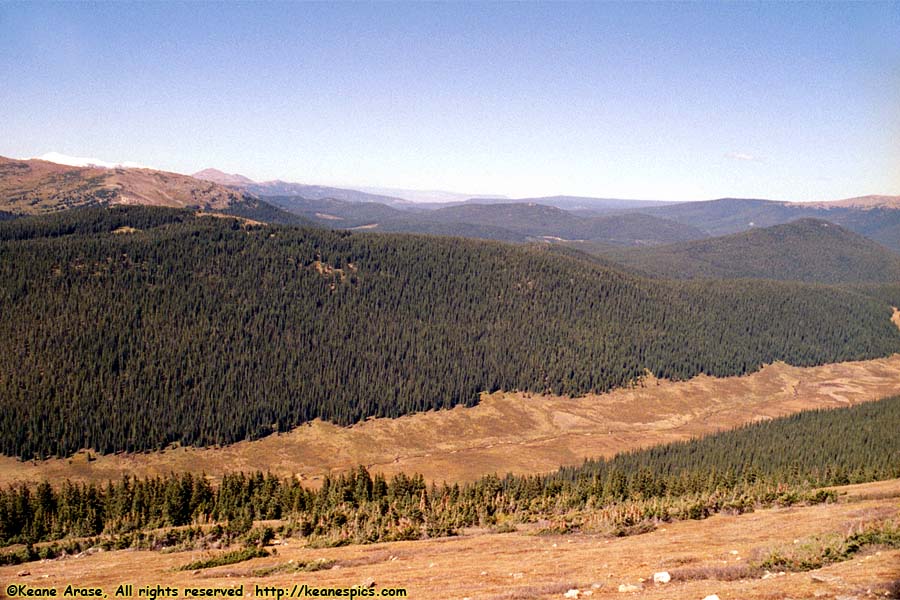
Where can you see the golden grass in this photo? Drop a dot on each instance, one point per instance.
(515, 432)
(481, 565)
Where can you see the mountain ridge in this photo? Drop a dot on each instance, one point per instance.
(34, 186)
(809, 250)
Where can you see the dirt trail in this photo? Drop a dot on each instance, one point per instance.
(514, 432)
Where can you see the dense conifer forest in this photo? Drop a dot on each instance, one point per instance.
(781, 461)
(131, 328)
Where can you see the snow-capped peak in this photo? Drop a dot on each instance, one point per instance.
(78, 161)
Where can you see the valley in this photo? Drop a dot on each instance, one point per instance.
(635, 391)
(505, 432)
(472, 301)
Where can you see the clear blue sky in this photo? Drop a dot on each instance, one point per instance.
(795, 101)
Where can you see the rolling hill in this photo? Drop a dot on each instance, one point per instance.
(31, 187)
(374, 216)
(514, 222)
(420, 200)
(540, 221)
(206, 331)
(36, 186)
(872, 201)
(579, 204)
(216, 176)
(287, 189)
(877, 220)
(809, 250)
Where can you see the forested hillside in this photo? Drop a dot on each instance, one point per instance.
(780, 461)
(540, 221)
(806, 250)
(733, 215)
(515, 222)
(209, 331)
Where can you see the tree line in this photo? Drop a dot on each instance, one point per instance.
(783, 460)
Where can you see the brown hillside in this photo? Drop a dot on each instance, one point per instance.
(873, 201)
(37, 186)
(217, 176)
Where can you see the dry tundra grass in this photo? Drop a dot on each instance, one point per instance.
(481, 565)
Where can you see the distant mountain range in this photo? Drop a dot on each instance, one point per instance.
(581, 204)
(415, 199)
(510, 221)
(809, 250)
(35, 186)
(873, 201)
(286, 188)
(876, 220)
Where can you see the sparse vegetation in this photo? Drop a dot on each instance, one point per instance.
(818, 551)
(228, 558)
(717, 573)
(295, 567)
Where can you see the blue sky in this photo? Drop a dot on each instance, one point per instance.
(794, 101)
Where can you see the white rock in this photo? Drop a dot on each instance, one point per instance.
(627, 587)
(662, 577)
(573, 593)
(712, 597)
(735, 552)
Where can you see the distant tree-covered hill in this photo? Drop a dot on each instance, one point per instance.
(880, 223)
(134, 328)
(806, 250)
(514, 222)
(538, 221)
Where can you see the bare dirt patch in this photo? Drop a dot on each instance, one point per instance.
(507, 432)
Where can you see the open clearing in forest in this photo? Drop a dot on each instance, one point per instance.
(481, 565)
(507, 432)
